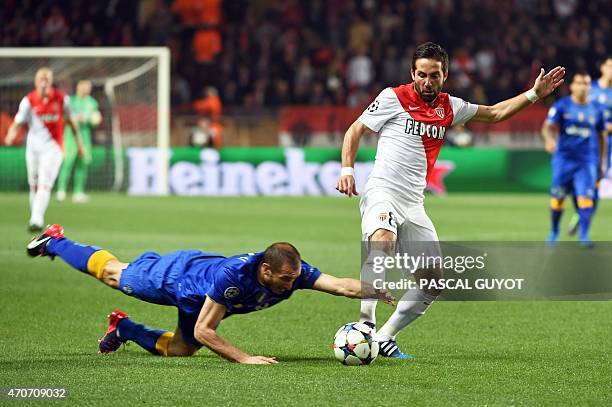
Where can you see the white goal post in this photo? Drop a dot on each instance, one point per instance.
(109, 68)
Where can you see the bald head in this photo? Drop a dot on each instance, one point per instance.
(43, 81)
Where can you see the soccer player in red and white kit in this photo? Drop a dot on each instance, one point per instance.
(44, 111)
(412, 121)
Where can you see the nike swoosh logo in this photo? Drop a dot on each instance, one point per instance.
(36, 242)
(413, 107)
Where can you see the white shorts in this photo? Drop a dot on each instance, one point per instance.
(43, 162)
(381, 209)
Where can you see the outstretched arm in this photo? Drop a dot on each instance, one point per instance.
(11, 135)
(346, 182)
(205, 332)
(544, 85)
(349, 287)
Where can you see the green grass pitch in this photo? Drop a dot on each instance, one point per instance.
(467, 353)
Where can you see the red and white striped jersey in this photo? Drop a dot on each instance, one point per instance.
(44, 117)
(411, 133)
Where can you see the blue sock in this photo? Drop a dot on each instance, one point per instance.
(77, 255)
(141, 334)
(555, 218)
(585, 215)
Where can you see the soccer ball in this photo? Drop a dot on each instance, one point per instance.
(354, 344)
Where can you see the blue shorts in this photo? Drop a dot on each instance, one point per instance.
(579, 175)
(153, 278)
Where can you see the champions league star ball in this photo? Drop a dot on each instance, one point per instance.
(354, 344)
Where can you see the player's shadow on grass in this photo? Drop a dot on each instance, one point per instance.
(483, 357)
(310, 360)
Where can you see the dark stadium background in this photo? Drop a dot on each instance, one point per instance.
(264, 55)
(288, 77)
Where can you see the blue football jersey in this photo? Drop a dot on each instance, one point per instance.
(232, 281)
(602, 96)
(579, 128)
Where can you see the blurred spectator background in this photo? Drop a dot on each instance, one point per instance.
(238, 55)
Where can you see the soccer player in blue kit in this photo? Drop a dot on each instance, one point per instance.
(205, 287)
(577, 153)
(601, 93)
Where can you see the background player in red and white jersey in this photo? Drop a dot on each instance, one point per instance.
(44, 111)
(412, 121)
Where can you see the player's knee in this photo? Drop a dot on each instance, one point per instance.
(556, 204)
(584, 202)
(112, 272)
(383, 240)
(178, 349)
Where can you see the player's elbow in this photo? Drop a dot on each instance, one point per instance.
(204, 334)
(494, 114)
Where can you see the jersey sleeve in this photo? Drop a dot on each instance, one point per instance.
(67, 109)
(309, 275)
(24, 111)
(383, 108)
(554, 114)
(462, 111)
(224, 288)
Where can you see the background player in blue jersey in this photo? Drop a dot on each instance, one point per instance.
(205, 287)
(601, 93)
(580, 146)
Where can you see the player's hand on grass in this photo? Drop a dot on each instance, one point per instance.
(368, 291)
(385, 296)
(550, 145)
(545, 84)
(346, 185)
(259, 360)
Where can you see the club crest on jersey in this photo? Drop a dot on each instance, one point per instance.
(231, 292)
(382, 216)
(374, 106)
(440, 111)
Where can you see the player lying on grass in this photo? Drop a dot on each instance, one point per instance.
(205, 287)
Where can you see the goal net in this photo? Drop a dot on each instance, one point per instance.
(132, 88)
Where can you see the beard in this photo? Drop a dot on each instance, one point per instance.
(427, 96)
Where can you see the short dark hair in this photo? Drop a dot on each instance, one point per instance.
(580, 72)
(431, 51)
(281, 253)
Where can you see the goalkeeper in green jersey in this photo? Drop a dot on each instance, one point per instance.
(87, 117)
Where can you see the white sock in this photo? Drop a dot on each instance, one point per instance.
(39, 205)
(412, 305)
(368, 306)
